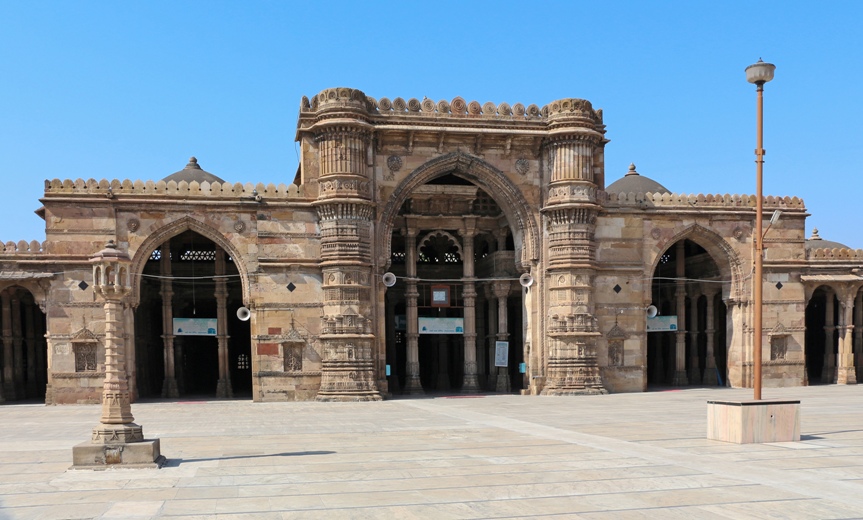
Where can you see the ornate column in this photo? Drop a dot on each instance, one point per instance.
(573, 159)
(845, 372)
(501, 291)
(492, 335)
(694, 359)
(680, 336)
(346, 211)
(828, 373)
(471, 381)
(223, 387)
(8, 347)
(710, 361)
(30, 339)
(169, 385)
(413, 386)
(114, 439)
(858, 334)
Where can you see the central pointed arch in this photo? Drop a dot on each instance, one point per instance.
(186, 223)
(493, 181)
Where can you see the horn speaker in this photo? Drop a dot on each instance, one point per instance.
(526, 280)
(652, 311)
(244, 314)
(389, 279)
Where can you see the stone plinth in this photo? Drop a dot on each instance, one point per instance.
(745, 422)
(144, 454)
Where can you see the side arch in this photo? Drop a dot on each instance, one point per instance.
(726, 258)
(493, 181)
(162, 234)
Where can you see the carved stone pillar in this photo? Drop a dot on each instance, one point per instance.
(492, 336)
(346, 212)
(680, 336)
(470, 384)
(694, 358)
(30, 340)
(710, 361)
(9, 390)
(117, 439)
(413, 385)
(169, 385)
(223, 387)
(573, 160)
(845, 372)
(501, 291)
(829, 370)
(858, 334)
(129, 339)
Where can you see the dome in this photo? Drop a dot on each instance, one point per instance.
(816, 242)
(633, 182)
(192, 172)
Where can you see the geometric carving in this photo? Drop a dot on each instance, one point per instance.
(85, 357)
(522, 166)
(293, 354)
(615, 353)
(778, 347)
(133, 224)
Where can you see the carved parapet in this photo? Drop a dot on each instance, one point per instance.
(138, 188)
(835, 254)
(338, 98)
(667, 200)
(22, 247)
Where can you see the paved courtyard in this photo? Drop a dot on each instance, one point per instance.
(621, 456)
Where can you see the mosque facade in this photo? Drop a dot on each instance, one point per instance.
(423, 247)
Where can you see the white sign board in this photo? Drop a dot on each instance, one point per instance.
(662, 324)
(195, 326)
(501, 353)
(441, 325)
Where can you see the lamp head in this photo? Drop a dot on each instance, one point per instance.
(760, 73)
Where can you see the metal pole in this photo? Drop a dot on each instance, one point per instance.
(757, 281)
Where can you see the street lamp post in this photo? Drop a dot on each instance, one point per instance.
(759, 74)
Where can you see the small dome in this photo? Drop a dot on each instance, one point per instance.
(816, 242)
(192, 172)
(633, 182)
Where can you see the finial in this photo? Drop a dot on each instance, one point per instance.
(193, 164)
(631, 170)
(815, 235)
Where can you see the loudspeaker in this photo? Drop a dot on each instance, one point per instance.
(652, 311)
(244, 314)
(526, 280)
(389, 279)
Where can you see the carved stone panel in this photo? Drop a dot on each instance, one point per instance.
(85, 357)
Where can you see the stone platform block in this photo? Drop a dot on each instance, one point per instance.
(745, 422)
(144, 454)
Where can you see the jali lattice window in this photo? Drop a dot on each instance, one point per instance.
(85, 357)
(778, 347)
(293, 352)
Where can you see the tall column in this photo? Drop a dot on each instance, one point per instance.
(9, 389)
(413, 385)
(223, 387)
(470, 383)
(345, 207)
(169, 385)
(573, 158)
(680, 295)
(481, 342)
(117, 439)
(858, 334)
(694, 359)
(30, 339)
(492, 335)
(845, 372)
(131, 365)
(18, 345)
(501, 291)
(829, 370)
(392, 361)
(710, 361)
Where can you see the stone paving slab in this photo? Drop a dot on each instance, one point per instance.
(621, 456)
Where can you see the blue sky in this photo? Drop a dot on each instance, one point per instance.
(130, 90)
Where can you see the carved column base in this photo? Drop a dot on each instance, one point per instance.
(695, 376)
(117, 434)
(679, 378)
(470, 384)
(169, 388)
(573, 369)
(846, 376)
(116, 407)
(347, 372)
(413, 386)
(502, 382)
(710, 376)
(224, 389)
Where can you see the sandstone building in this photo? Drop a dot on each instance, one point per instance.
(498, 228)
